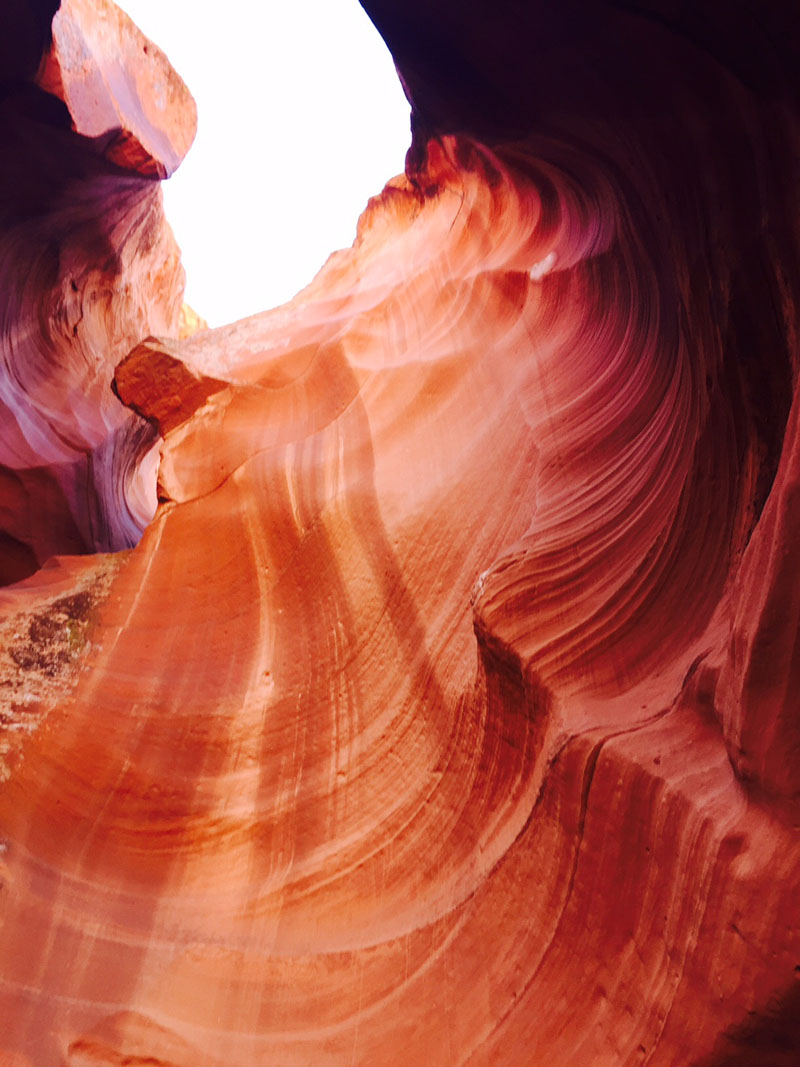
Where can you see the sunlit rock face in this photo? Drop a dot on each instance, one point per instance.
(446, 710)
(87, 263)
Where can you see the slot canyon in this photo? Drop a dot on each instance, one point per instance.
(405, 675)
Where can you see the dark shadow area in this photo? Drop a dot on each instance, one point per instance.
(769, 1038)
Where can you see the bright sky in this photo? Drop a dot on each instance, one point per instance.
(301, 119)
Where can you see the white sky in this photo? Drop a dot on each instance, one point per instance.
(301, 119)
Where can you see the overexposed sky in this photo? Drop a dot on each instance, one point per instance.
(301, 119)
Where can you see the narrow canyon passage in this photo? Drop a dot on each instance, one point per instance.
(405, 674)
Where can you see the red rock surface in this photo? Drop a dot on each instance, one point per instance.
(89, 264)
(445, 712)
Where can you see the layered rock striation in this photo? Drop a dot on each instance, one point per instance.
(443, 711)
(88, 263)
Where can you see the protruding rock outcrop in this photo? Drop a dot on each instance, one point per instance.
(444, 712)
(119, 88)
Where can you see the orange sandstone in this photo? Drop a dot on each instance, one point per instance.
(443, 713)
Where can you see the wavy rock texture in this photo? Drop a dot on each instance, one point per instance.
(88, 263)
(445, 712)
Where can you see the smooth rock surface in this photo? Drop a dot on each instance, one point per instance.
(445, 711)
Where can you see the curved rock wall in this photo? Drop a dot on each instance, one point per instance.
(89, 265)
(444, 712)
